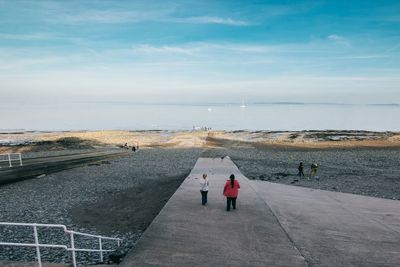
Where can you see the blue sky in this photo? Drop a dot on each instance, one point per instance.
(200, 51)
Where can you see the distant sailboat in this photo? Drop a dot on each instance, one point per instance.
(243, 105)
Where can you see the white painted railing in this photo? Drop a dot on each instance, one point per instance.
(10, 159)
(71, 234)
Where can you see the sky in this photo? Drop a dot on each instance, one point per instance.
(199, 51)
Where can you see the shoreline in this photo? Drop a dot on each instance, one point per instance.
(33, 141)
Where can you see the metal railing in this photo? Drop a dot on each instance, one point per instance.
(71, 234)
(10, 159)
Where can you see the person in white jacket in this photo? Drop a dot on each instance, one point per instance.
(204, 189)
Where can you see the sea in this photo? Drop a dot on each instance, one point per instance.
(217, 116)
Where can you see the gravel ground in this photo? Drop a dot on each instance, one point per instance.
(64, 197)
(365, 171)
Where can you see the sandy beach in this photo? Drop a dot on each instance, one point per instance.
(49, 141)
(120, 197)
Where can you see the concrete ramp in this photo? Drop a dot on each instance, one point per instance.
(336, 229)
(274, 225)
(185, 233)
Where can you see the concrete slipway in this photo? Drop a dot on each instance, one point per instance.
(274, 225)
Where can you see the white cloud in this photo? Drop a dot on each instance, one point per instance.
(117, 16)
(30, 63)
(220, 49)
(149, 49)
(204, 48)
(335, 37)
(339, 39)
(372, 56)
(212, 20)
(105, 16)
(41, 37)
(24, 37)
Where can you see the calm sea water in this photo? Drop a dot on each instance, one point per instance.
(125, 116)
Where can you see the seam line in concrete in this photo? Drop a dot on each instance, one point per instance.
(280, 224)
(387, 227)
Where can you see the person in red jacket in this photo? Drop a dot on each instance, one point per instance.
(231, 191)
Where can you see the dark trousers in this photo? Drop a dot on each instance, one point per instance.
(230, 200)
(204, 197)
(301, 174)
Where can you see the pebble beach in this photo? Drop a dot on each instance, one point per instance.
(117, 198)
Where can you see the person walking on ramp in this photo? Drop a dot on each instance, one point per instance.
(231, 191)
(204, 189)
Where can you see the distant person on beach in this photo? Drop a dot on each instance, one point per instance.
(135, 148)
(301, 170)
(204, 189)
(314, 168)
(231, 191)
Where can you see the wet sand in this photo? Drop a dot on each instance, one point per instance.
(57, 141)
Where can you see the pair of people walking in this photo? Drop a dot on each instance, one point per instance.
(231, 191)
(313, 172)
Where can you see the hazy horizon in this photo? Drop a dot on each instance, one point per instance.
(218, 116)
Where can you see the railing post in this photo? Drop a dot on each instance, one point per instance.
(73, 249)
(101, 250)
(9, 159)
(39, 259)
(20, 159)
